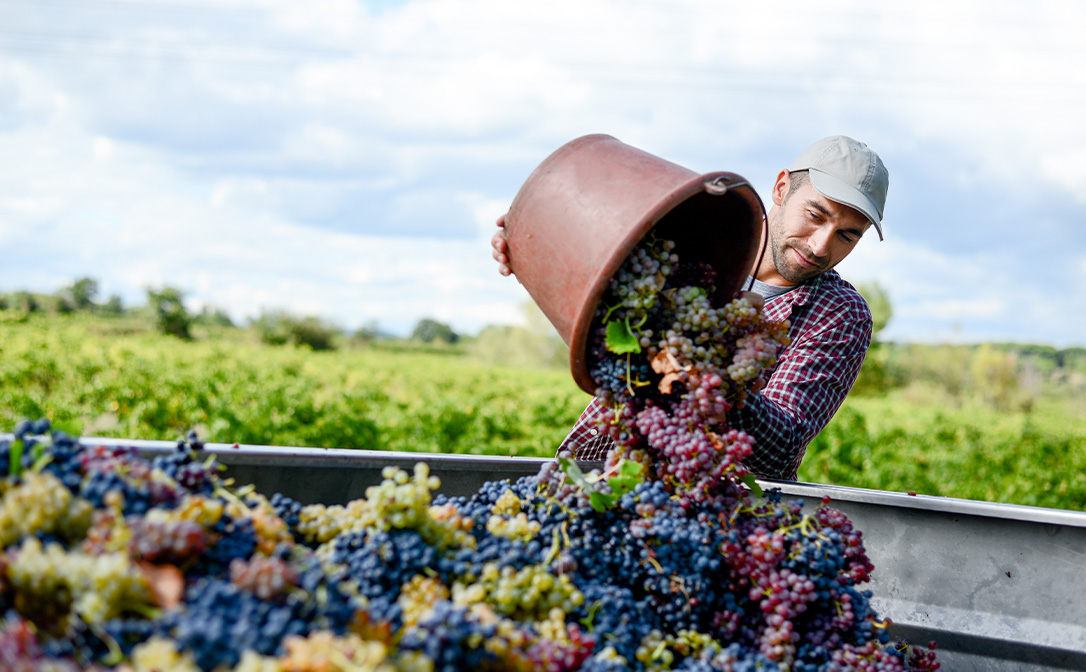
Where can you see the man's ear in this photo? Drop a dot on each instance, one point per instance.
(780, 187)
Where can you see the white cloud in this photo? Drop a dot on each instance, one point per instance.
(1067, 168)
(334, 157)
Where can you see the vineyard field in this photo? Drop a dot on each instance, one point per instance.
(151, 386)
(94, 379)
(893, 443)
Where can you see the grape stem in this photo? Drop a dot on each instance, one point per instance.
(115, 655)
(15, 458)
(555, 548)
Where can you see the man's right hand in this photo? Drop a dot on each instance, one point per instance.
(501, 248)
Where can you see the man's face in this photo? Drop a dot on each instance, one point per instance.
(809, 234)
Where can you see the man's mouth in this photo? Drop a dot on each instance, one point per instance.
(805, 262)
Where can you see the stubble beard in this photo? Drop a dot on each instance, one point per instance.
(786, 266)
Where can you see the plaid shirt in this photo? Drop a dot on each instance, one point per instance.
(830, 331)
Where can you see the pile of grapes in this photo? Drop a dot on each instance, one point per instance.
(669, 558)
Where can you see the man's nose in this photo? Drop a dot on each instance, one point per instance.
(819, 241)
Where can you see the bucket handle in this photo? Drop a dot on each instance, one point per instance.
(721, 184)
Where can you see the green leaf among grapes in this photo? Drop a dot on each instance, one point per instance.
(749, 481)
(626, 477)
(629, 474)
(574, 472)
(599, 501)
(595, 498)
(620, 338)
(41, 461)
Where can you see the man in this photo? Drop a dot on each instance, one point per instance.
(822, 205)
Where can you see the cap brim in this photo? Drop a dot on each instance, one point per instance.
(838, 191)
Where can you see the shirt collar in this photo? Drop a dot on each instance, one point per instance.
(803, 294)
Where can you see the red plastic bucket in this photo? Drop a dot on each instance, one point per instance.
(584, 209)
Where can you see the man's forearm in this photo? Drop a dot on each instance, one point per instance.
(802, 394)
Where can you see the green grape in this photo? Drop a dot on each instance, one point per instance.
(160, 655)
(526, 594)
(323, 651)
(516, 527)
(41, 504)
(94, 588)
(418, 596)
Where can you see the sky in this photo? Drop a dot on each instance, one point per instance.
(348, 159)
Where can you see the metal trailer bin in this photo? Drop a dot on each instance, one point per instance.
(1001, 588)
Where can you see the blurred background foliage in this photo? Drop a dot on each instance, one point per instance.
(1003, 422)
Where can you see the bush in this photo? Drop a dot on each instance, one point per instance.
(367, 334)
(518, 346)
(533, 344)
(167, 306)
(23, 302)
(214, 317)
(279, 327)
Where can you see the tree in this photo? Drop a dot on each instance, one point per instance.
(995, 375)
(367, 333)
(113, 305)
(168, 307)
(81, 294)
(881, 310)
(876, 375)
(428, 331)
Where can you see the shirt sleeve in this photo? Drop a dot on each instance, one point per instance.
(585, 440)
(808, 385)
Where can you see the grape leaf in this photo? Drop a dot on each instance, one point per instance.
(599, 501)
(620, 338)
(574, 472)
(595, 498)
(749, 481)
(627, 475)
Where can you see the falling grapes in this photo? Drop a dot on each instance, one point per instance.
(669, 366)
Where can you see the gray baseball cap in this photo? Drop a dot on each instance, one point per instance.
(849, 172)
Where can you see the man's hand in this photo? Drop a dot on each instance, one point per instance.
(501, 248)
